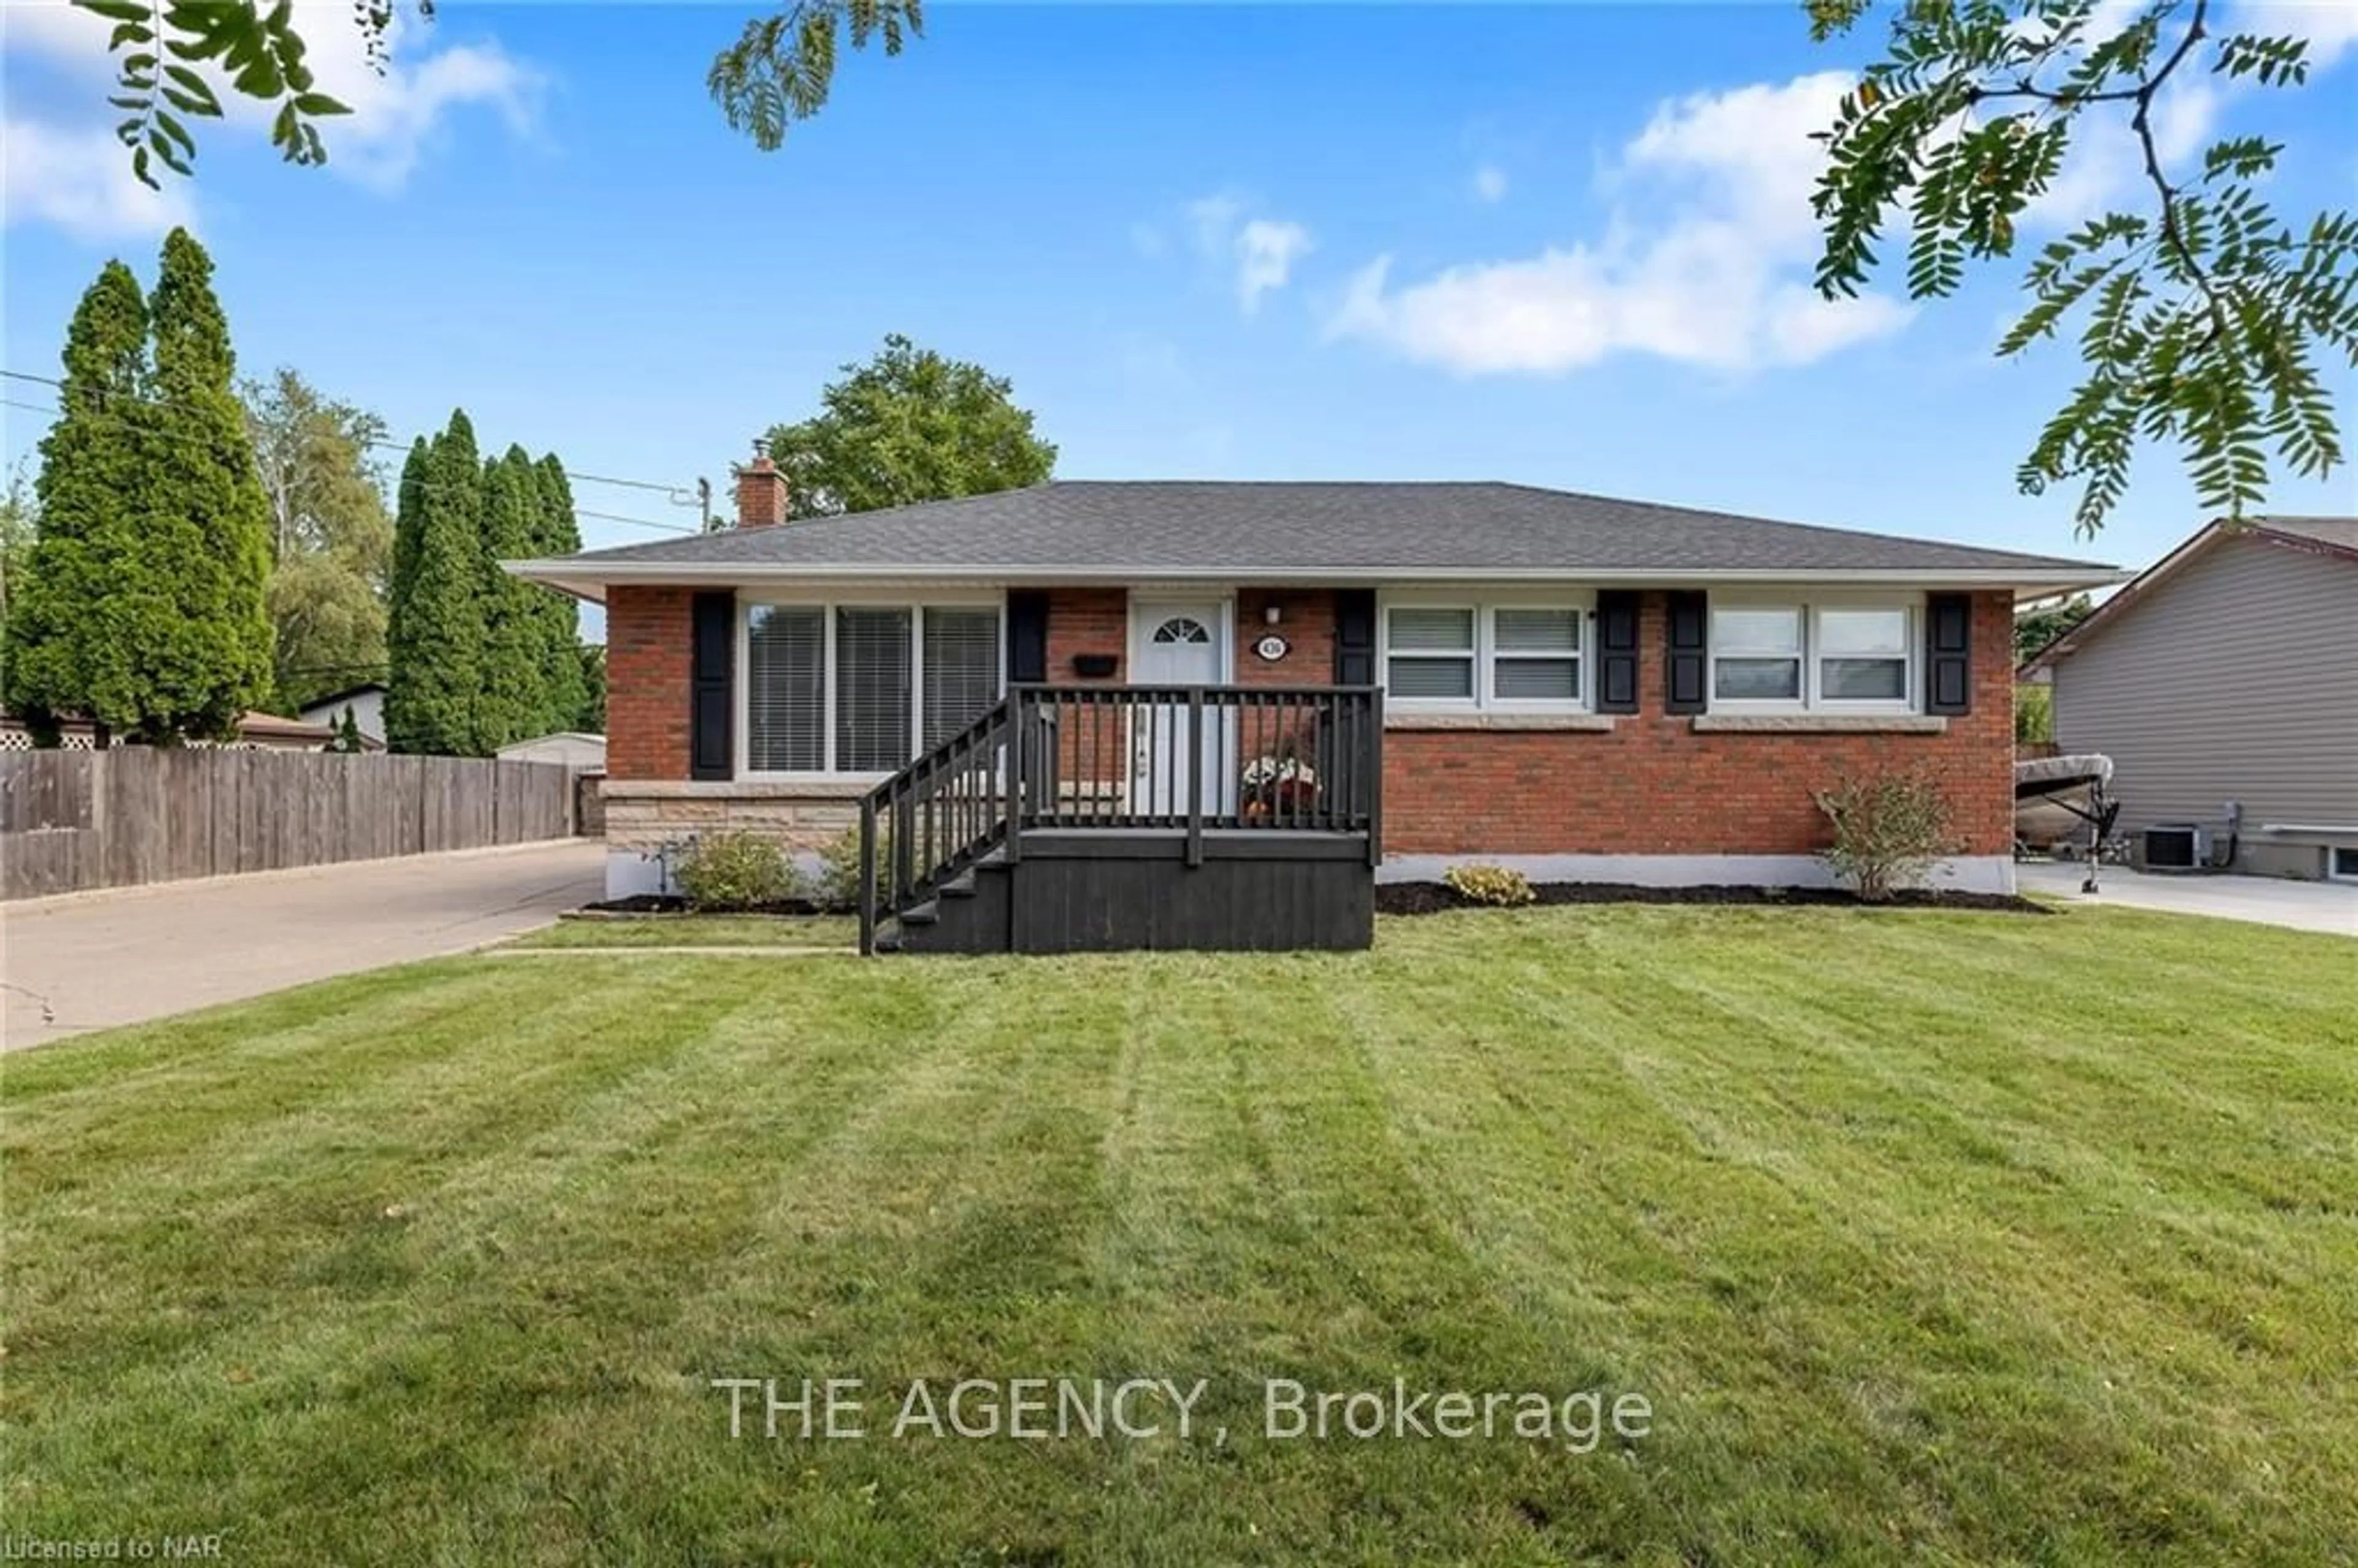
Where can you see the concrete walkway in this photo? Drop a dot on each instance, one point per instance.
(2329, 907)
(93, 960)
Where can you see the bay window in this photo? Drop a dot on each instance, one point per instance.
(1812, 656)
(1484, 655)
(863, 689)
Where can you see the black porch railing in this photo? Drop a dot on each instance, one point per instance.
(1181, 759)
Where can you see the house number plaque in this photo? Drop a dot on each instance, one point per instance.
(1272, 648)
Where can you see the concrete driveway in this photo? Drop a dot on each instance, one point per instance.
(2270, 901)
(92, 960)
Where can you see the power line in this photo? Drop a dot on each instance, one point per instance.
(427, 485)
(678, 494)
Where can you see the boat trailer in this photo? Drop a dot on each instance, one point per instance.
(2051, 779)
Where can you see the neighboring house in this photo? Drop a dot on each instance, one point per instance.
(367, 703)
(574, 748)
(255, 731)
(2223, 681)
(268, 732)
(1580, 687)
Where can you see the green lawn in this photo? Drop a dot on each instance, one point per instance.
(698, 931)
(1929, 1238)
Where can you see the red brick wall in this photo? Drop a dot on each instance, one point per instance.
(1654, 787)
(1087, 620)
(1092, 741)
(1306, 621)
(649, 638)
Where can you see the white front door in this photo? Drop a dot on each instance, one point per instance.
(1179, 644)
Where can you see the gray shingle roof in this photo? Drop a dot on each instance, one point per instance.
(1265, 529)
(2340, 532)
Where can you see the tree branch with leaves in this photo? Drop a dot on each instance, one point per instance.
(161, 47)
(168, 54)
(2202, 315)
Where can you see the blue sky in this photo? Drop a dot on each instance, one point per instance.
(1564, 245)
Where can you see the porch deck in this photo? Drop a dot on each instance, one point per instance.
(1072, 818)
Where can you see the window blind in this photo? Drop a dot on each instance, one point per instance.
(1432, 651)
(961, 653)
(1535, 655)
(871, 689)
(786, 690)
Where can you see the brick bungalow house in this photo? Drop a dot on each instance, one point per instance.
(1577, 687)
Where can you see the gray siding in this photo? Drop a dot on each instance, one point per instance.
(2236, 679)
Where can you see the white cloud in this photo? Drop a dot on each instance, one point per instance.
(1489, 183)
(1212, 220)
(1258, 253)
(396, 116)
(1147, 240)
(1704, 261)
(1266, 252)
(81, 182)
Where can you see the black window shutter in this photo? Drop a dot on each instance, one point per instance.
(1686, 667)
(1949, 652)
(1617, 651)
(1027, 634)
(1355, 636)
(712, 669)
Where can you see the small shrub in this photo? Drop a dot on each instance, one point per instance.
(734, 870)
(839, 869)
(1489, 884)
(1888, 831)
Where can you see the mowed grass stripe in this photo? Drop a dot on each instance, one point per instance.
(1903, 1223)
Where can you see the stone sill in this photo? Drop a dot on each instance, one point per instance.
(1585, 723)
(850, 788)
(1820, 724)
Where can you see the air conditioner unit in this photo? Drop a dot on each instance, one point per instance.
(2174, 846)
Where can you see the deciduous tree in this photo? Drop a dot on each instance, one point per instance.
(331, 540)
(2034, 629)
(908, 425)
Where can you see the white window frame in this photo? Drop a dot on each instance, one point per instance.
(1485, 652)
(915, 603)
(1813, 699)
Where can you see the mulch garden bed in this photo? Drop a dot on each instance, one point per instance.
(1432, 898)
(659, 906)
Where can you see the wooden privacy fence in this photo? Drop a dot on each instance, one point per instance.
(71, 820)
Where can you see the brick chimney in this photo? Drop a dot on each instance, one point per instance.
(761, 493)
